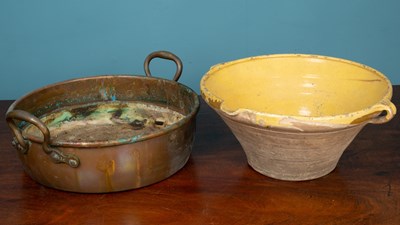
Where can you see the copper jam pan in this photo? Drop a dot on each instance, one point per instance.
(114, 164)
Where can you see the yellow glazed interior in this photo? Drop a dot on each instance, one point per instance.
(281, 90)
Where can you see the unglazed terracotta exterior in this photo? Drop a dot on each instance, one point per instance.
(292, 155)
(294, 114)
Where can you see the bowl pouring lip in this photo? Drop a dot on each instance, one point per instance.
(218, 103)
(186, 119)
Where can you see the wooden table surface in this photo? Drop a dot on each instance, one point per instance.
(218, 187)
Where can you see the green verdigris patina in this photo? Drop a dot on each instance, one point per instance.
(110, 120)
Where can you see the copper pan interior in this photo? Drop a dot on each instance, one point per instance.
(110, 88)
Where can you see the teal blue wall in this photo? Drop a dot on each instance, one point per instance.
(45, 41)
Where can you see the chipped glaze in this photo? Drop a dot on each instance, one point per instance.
(295, 114)
(273, 90)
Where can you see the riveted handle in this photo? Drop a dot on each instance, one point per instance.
(22, 144)
(384, 106)
(164, 55)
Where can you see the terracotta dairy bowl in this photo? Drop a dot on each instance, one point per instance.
(294, 114)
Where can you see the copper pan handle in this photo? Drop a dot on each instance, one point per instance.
(22, 144)
(164, 55)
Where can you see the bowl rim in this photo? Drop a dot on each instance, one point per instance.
(266, 119)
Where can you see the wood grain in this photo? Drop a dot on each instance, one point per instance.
(218, 187)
